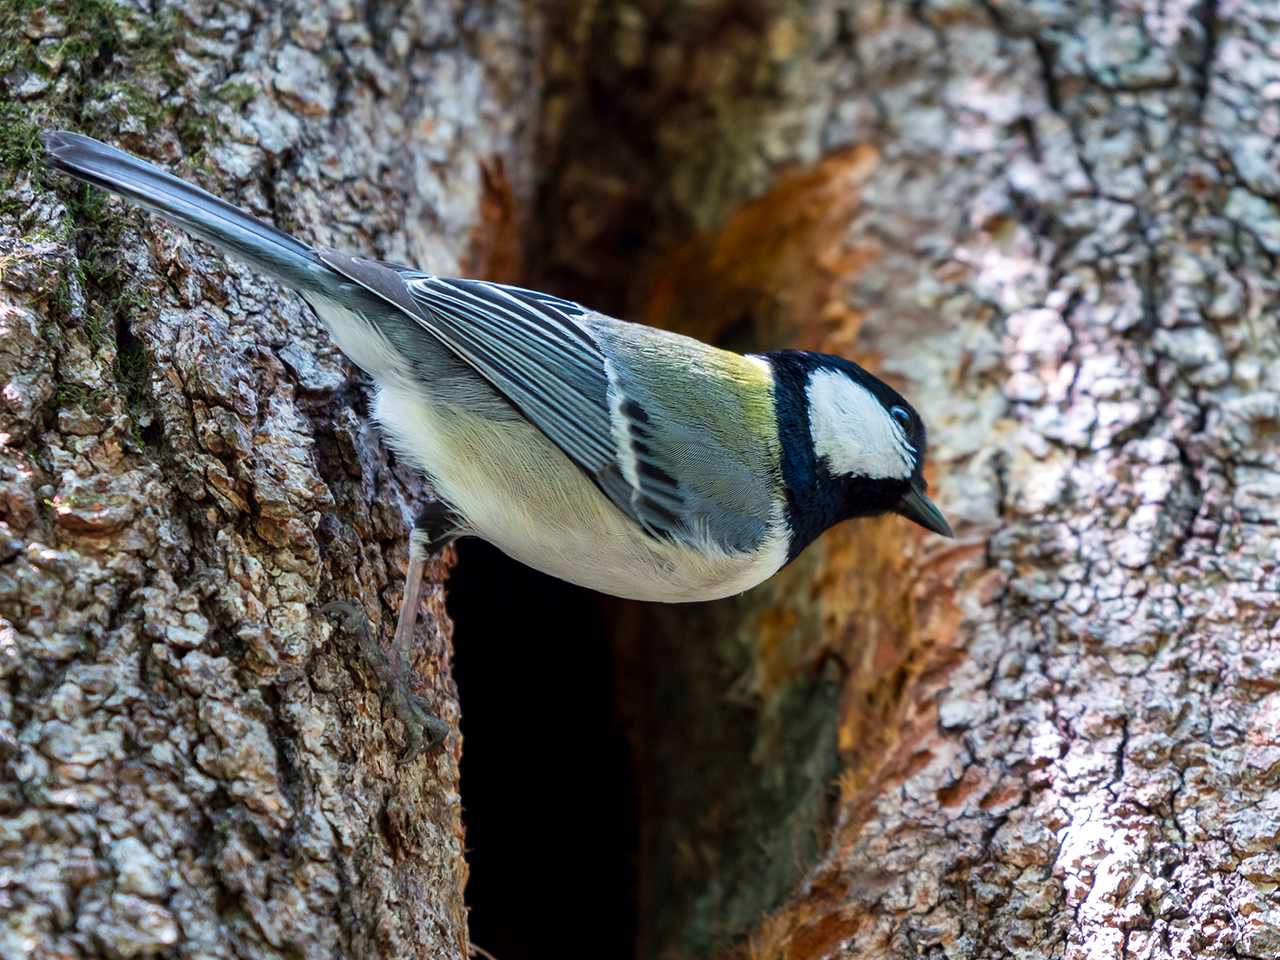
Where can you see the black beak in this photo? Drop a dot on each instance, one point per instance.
(918, 508)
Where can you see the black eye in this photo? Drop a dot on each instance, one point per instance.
(901, 415)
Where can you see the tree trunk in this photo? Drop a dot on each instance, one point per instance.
(1056, 226)
(196, 762)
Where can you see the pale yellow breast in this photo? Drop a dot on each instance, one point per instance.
(521, 493)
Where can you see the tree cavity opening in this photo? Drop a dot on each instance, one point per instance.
(547, 786)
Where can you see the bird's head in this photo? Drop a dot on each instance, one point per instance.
(867, 444)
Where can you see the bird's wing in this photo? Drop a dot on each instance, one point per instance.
(533, 350)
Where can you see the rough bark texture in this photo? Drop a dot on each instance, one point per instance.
(196, 763)
(1056, 224)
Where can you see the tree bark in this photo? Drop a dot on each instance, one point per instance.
(197, 763)
(1055, 225)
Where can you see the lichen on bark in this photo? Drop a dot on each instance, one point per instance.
(196, 762)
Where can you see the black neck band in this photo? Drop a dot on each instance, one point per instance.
(814, 498)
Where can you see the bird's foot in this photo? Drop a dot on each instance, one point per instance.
(423, 730)
(354, 621)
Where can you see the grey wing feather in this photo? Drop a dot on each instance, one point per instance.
(552, 371)
(531, 348)
(379, 278)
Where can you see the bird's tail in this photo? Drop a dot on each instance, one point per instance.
(209, 218)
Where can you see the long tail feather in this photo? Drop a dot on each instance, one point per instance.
(197, 211)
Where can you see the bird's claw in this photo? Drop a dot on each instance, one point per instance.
(423, 730)
(353, 618)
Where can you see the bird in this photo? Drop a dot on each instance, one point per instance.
(628, 459)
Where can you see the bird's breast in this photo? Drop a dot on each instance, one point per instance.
(517, 490)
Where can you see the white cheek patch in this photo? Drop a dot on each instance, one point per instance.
(853, 433)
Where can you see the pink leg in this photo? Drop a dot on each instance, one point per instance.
(408, 618)
(423, 730)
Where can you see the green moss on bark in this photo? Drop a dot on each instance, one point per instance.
(94, 66)
(97, 67)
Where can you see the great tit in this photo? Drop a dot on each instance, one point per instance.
(631, 460)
